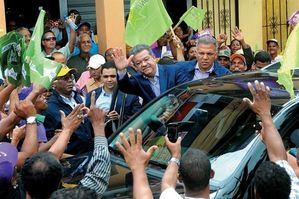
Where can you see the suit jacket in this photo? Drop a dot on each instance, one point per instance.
(82, 139)
(137, 84)
(188, 68)
(125, 105)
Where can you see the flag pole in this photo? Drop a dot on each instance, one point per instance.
(183, 17)
(180, 21)
(173, 34)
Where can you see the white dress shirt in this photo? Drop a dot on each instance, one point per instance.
(104, 100)
(199, 74)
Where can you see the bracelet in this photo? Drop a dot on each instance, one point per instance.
(31, 120)
(175, 160)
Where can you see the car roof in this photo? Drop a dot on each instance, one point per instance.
(235, 86)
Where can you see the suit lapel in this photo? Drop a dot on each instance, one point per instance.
(114, 100)
(98, 93)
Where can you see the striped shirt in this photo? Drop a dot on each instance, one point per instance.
(98, 171)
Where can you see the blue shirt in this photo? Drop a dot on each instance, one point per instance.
(93, 50)
(104, 100)
(155, 83)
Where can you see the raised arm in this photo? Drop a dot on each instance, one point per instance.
(137, 159)
(27, 111)
(177, 48)
(169, 179)
(120, 59)
(238, 35)
(5, 93)
(98, 171)
(7, 124)
(72, 40)
(261, 105)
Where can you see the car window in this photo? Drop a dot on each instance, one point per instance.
(220, 125)
(272, 67)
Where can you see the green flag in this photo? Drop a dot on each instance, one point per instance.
(289, 61)
(193, 17)
(42, 70)
(148, 20)
(12, 48)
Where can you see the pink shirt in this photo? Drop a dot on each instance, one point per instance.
(82, 80)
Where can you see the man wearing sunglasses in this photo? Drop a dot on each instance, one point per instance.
(65, 99)
(49, 44)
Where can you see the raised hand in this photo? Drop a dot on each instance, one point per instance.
(136, 158)
(237, 34)
(261, 103)
(221, 38)
(73, 120)
(25, 109)
(177, 42)
(120, 59)
(97, 117)
(174, 148)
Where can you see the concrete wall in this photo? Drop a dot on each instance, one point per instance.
(250, 22)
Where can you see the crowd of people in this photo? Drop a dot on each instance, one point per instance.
(93, 94)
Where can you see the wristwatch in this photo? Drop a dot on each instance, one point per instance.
(31, 120)
(175, 160)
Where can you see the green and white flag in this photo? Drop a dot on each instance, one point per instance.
(12, 48)
(193, 17)
(42, 70)
(148, 20)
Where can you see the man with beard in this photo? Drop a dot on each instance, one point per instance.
(64, 99)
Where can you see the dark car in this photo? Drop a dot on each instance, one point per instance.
(209, 115)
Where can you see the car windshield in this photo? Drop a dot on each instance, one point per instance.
(221, 125)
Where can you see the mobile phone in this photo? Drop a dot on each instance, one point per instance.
(172, 133)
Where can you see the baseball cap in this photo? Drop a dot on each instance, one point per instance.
(65, 70)
(84, 24)
(8, 160)
(96, 61)
(224, 52)
(238, 56)
(272, 40)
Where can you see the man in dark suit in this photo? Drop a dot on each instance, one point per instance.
(152, 79)
(206, 64)
(119, 106)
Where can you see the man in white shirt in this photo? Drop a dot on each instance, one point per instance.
(194, 170)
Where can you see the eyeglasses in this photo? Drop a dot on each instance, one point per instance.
(50, 39)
